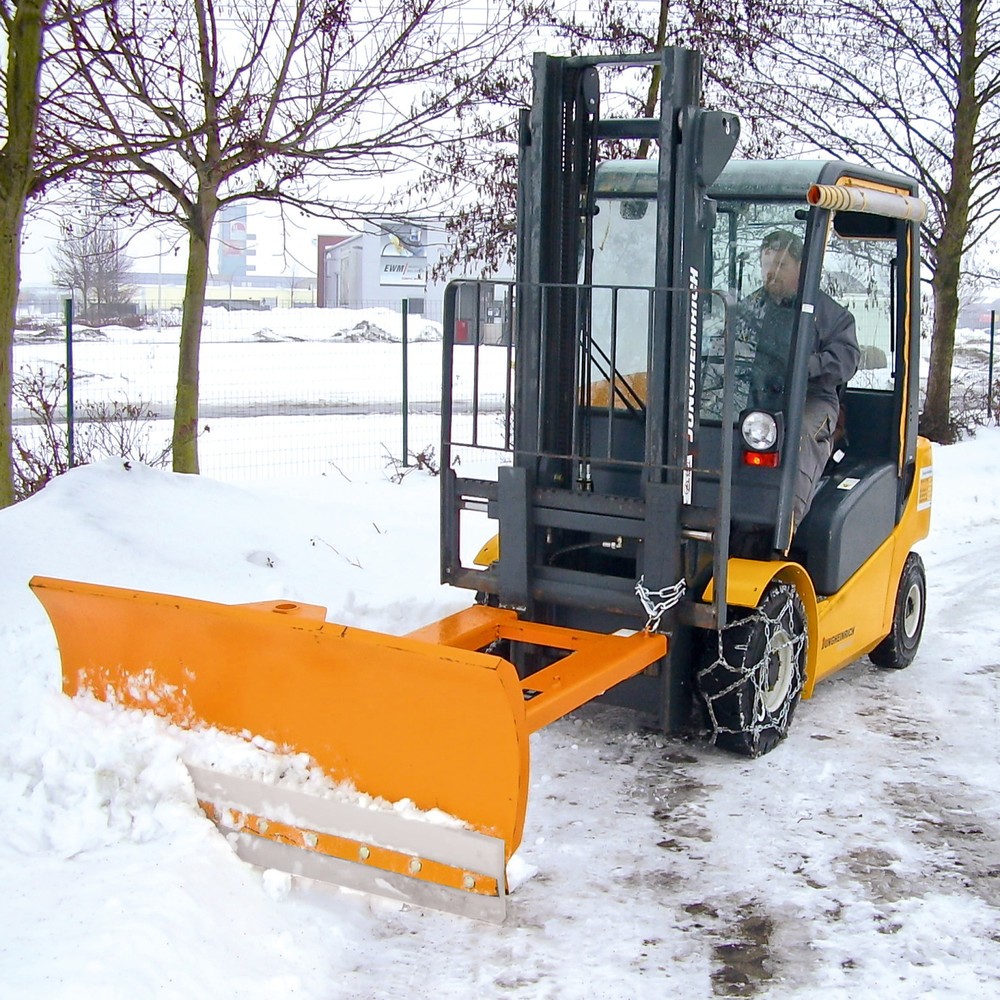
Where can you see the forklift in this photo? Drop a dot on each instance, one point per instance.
(641, 481)
(615, 488)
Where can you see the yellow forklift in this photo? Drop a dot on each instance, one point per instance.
(645, 478)
(603, 420)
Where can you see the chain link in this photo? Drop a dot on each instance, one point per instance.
(656, 603)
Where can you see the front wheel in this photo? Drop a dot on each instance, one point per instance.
(899, 647)
(752, 673)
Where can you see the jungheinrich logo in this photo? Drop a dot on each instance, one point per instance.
(687, 480)
(839, 637)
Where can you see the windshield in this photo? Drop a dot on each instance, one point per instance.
(756, 252)
(754, 256)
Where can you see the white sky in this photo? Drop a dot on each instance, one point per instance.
(282, 248)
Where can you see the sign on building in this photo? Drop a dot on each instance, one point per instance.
(233, 240)
(403, 258)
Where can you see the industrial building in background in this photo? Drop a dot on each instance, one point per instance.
(381, 265)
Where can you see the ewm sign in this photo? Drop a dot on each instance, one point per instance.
(403, 259)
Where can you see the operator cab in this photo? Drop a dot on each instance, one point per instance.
(852, 256)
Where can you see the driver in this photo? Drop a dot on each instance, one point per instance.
(833, 359)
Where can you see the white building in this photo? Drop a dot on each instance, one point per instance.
(380, 266)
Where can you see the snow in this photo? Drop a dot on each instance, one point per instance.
(860, 859)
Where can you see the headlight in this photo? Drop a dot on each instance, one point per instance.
(760, 430)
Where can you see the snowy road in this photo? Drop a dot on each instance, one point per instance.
(860, 860)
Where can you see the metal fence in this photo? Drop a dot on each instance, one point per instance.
(291, 392)
(282, 392)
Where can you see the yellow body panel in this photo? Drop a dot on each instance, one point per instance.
(866, 182)
(748, 579)
(633, 386)
(850, 623)
(859, 616)
(489, 553)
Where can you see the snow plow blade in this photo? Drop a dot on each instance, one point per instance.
(425, 717)
(442, 868)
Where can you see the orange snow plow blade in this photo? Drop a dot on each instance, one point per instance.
(425, 717)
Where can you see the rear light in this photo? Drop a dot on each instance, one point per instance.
(762, 459)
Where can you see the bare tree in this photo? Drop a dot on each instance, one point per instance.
(33, 155)
(90, 261)
(24, 25)
(913, 86)
(214, 102)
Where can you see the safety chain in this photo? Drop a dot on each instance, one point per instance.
(656, 603)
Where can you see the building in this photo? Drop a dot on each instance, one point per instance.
(380, 266)
(384, 263)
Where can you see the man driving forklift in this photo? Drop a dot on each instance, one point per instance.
(767, 317)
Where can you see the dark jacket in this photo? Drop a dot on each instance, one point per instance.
(833, 356)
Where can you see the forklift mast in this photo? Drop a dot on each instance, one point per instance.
(599, 493)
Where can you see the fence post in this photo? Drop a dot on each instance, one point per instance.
(405, 407)
(989, 384)
(69, 382)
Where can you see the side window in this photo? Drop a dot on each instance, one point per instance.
(858, 273)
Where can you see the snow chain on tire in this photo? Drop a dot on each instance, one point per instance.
(752, 675)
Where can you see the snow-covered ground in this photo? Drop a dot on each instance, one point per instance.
(860, 859)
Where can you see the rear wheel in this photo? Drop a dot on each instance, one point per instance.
(899, 647)
(752, 673)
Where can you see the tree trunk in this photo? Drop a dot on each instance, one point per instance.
(936, 420)
(652, 94)
(11, 219)
(185, 438)
(24, 60)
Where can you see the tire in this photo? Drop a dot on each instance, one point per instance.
(752, 673)
(899, 647)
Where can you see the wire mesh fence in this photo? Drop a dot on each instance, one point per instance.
(306, 391)
(281, 393)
